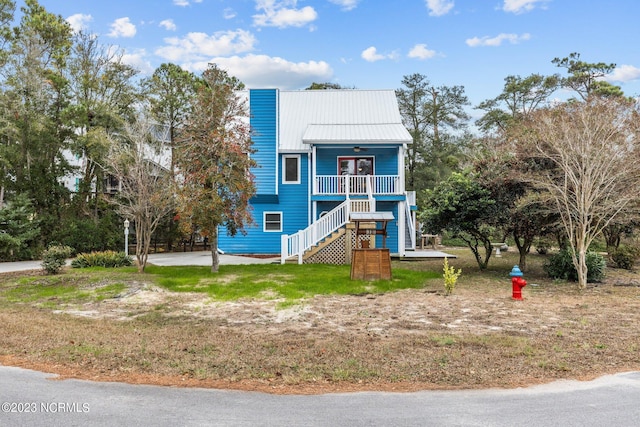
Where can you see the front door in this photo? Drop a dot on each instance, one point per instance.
(357, 168)
(355, 165)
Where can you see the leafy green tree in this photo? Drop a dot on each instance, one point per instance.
(213, 160)
(519, 98)
(462, 206)
(412, 103)
(436, 119)
(86, 234)
(104, 97)
(500, 170)
(325, 86)
(585, 78)
(33, 130)
(19, 230)
(171, 91)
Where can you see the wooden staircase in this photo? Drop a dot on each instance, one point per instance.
(317, 253)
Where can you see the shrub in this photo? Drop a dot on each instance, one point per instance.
(542, 246)
(102, 259)
(450, 276)
(54, 258)
(624, 256)
(560, 266)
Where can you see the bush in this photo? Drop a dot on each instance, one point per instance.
(102, 259)
(54, 258)
(450, 276)
(624, 256)
(542, 246)
(560, 266)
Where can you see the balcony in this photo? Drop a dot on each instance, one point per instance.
(358, 185)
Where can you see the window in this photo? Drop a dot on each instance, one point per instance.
(291, 169)
(355, 165)
(272, 221)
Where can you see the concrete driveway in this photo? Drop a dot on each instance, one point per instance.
(165, 259)
(204, 258)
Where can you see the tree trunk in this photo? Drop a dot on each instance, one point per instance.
(215, 259)
(523, 249)
(582, 268)
(143, 243)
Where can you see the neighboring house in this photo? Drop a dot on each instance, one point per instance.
(323, 154)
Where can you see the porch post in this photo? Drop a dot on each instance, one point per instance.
(401, 228)
(314, 184)
(401, 170)
(283, 248)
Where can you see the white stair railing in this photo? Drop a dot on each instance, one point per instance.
(411, 227)
(296, 244)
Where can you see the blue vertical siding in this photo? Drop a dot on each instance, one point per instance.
(292, 200)
(263, 104)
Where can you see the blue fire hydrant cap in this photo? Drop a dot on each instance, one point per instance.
(515, 271)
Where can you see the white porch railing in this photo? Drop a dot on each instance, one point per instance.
(296, 244)
(411, 227)
(411, 198)
(357, 185)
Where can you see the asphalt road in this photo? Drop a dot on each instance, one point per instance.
(30, 398)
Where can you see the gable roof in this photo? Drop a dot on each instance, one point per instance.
(339, 117)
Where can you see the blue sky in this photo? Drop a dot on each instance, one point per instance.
(367, 44)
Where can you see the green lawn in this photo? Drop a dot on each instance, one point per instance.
(289, 281)
(267, 281)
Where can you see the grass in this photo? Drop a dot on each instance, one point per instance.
(51, 291)
(335, 334)
(290, 282)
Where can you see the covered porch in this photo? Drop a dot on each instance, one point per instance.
(358, 185)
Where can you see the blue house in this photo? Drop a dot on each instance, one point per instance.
(322, 155)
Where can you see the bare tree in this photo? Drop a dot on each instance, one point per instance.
(146, 188)
(590, 157)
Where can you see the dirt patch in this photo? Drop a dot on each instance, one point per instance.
(400, 341)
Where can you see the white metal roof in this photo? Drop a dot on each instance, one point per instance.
(339, 116)
(376, 133)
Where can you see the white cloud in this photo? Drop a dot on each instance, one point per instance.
(623, 73)
(79, 21)
(439, 7)
(497, 40)
(278, 14)
(168, 24)
(185, 3)
(521, 6)
(199, 46)
(122, 27)
(346, 4)
(260, 71)
(137, 59)
(371, 54)
(420, 51)
(229, 13)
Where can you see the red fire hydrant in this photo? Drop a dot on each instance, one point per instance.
(517, 282)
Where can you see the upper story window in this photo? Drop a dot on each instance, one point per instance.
(291, 169)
